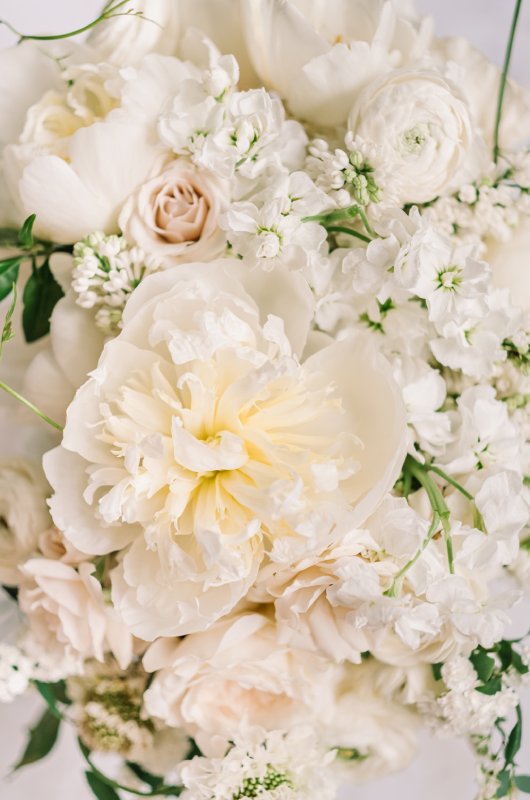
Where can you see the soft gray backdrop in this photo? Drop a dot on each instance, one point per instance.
(443, 769)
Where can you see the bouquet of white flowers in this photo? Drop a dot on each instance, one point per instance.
(264, 489)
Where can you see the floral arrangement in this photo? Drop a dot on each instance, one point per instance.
(264, 489)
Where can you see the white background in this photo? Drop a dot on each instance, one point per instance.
(443, 769)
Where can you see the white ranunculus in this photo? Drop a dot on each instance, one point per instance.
(510, 264)
(478, 79)
(319, 56)
(175, 216)
(24, 515)
(372, 723)
(201, 441)
(423, 129)
(66, 612)
(233, 675)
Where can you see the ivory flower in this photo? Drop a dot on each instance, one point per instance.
(201, 442)
(174, 216)
(66, 612)
(423, 129)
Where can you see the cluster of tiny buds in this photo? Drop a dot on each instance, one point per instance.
(106, 271)
(344, 174)
(492, 206)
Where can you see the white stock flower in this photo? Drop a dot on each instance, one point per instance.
(424, 132)
(200, 441)
(67, 613)
(274, 765)
(318, 57)
(215, 683)
(24, 515)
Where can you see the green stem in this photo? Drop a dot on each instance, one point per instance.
(342, 229)
(29, 405)
(369, 229)
(438, 504)
(107, 13)
(504, 78)
(395, 588)
(450, 480)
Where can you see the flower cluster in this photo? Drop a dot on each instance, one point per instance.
(279, 277)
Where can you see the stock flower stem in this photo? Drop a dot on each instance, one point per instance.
(395, 588)
(107, 13)
(504, 78)
(29, 405)
(342, 229)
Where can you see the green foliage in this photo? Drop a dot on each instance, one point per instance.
(482, 663)
(100, 789)
(523, 783)
(54, 694)
(25, 234)
(7, 330)
(41, 294)
(42, 738)
(9, 269)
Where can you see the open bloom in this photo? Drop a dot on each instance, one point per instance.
(201, 441)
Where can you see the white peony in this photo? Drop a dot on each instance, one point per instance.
(423, 129)
(67, 614)
(195, 441)
(318, 56)
(215, 683)
(24, 515)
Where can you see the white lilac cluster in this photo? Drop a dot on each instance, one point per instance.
(278, 519)
(105, 273)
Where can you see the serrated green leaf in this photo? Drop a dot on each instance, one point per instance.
(25, 234)
(9, 269)
(100, 789)
(483, 664)
(513, 744)
(41, 294)
(505, 783)
(41, 739)
(523, 783)
(491, 687)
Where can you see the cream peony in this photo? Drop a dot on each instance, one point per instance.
(234, 675)
(202, 442)
(67, 613)
(423, 128)
(24, 515)
(319, 56)
(174, 216)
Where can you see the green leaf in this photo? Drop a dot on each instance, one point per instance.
(25, 235)
(8, 237)
(41, 293)
(482, 663)
(437, 671)
(41, 739)
(518, 663)
(513, 744)
(154, 781)
(9, 274)
(46, 692)
(523, 783)
(505, 782)
(491, 687)
(7, 330)
(100, 789)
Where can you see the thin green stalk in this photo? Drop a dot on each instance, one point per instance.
(29, 405)
(107, 13)
(395, 587)
(451, 481)
(438, 504)
(369, 229)
(504, 78)
(342, 229)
